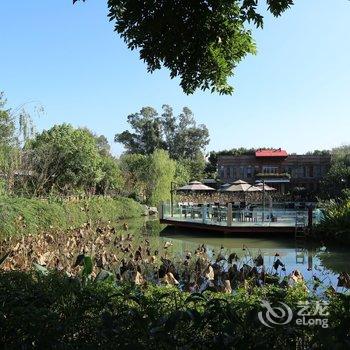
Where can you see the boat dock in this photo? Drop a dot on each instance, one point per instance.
(224, 218)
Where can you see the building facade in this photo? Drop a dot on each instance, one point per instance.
(277, 168)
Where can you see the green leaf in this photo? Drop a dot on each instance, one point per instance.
(41, 269)
(195, 297)
(87, 270)
(103, 275)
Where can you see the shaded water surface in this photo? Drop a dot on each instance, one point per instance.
(310, 258)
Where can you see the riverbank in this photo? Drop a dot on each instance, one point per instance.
(19, 215)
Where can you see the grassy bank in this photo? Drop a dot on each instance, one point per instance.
(57, 312)
(31, 215)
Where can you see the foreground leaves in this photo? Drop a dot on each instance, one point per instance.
(56, 311)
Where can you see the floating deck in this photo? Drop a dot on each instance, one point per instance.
(229, 229)
(224, 219)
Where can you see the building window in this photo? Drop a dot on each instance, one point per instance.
(311, 171)
(232, 172)
(318, 170)
(249, 172)
(242, 171)
(300, 171)
(268, 169)
(222, 171)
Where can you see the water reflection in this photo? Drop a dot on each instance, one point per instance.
(310, 259)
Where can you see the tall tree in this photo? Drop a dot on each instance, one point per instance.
(7, 124)
(103, 145)
(134, 169)
(9, 152)
(190, 139)
(180, 136)
(111, 180)
(147, 132)
(65, 159)
(336, 183)
(148, 177)
(161, 172)
(201, 42)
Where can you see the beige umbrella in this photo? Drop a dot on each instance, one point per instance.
(242, 187)
(239, 182)
(267, 188)
(195, 186)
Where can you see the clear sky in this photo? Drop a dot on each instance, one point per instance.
(294, 94)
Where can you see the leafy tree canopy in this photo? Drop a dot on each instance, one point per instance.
(161, 172)
(7, 124)
(65, 159)
(180, 136)
(336, 183)
(317, 152)
(148, 177)
(201, 42)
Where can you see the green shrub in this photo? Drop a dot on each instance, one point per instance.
(335, 224)
(57, 312)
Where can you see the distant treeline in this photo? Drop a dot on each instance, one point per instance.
(160, 149)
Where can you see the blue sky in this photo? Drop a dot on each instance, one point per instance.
(294, 94)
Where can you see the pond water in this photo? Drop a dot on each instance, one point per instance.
(310, 258)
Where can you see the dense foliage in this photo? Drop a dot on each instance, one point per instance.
(335, 224)
(201, 42)
(64, 158)
(337, 181)
(65, 161)
(148, 178)
(55, 311)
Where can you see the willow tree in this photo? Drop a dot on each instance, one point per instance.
(161, 172)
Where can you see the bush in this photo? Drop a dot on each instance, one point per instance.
(335, 224)
(20, 215)
(57, 312)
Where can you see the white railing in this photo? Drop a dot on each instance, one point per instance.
(226, 216)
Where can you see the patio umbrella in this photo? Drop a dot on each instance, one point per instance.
(242, 187)
(267, 188)
(239, 182)
(195, 186)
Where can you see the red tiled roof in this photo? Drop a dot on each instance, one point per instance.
(271, 153)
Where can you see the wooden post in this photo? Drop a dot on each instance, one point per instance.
(309, 216)
(229, 214)
(161, 210)
(204, 213)
(172, 199)
(263, 213)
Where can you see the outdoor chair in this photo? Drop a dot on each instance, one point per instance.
(248, 216)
